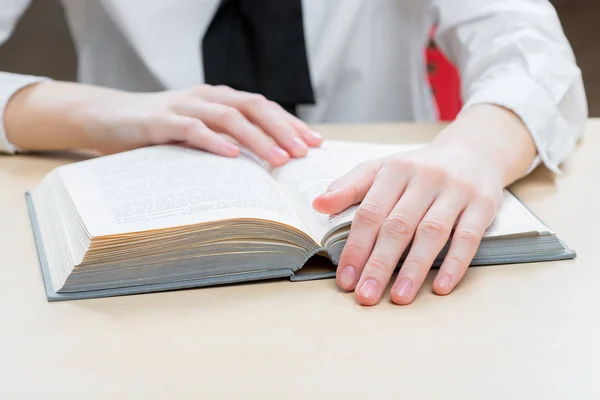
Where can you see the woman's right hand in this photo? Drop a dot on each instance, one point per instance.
(58, 115)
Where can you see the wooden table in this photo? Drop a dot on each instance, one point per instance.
(513, 331)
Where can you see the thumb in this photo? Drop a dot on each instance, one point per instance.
(348, 190)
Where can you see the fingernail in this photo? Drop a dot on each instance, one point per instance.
(315, 135)
(444, 282)
(369, 289)
(347, 277)
(299, 145)
(230, 149)
(329, 192)
(404, 287)
(279, 154)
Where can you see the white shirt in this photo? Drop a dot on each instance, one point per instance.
(366, 57)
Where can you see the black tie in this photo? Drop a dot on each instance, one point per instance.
(258, 46)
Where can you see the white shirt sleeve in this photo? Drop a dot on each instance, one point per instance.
(513, 53)
(10, 12)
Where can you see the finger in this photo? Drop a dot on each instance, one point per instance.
(387, 188)
(347, 190)
(275, 123)
(311, 137)
(196, 134)
(262, 112)
(230, 121)
(431, 236)
(394, 237)
(463, 247)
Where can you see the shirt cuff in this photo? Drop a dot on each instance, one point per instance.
(537, 110)
(9, 85)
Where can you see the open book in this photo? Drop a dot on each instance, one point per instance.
(169, 217)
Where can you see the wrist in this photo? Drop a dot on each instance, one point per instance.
(54, 116)
(498, 135)
(43, 117)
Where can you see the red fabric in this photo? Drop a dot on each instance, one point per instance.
(445, 83)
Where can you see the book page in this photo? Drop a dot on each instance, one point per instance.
(168, 186)
(515, 219)
(303, 179)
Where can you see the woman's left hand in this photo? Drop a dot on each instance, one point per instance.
(454, 183)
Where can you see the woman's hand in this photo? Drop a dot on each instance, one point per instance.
(56, 115)
(456, 182)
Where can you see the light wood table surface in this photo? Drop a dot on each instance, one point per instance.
(528, 331)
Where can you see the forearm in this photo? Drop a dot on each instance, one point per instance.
(496, 132)
(514, 54)
(50, 116)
